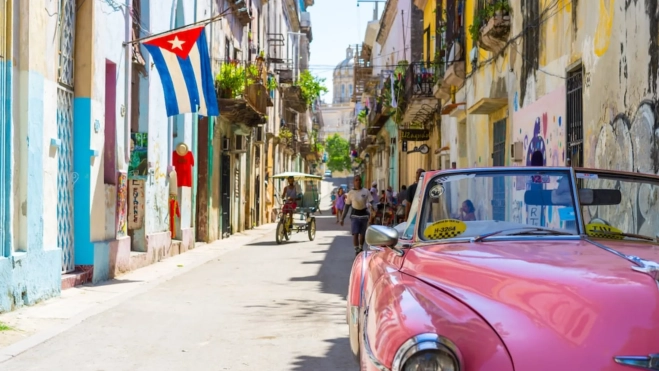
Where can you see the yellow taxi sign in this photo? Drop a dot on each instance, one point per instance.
(447, 228)
(601, 230)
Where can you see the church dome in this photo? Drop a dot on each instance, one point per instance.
(346, 66)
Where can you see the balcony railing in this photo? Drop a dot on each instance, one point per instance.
(420, 79)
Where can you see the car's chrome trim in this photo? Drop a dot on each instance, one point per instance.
(577, 202)
(650, 362)
(427, 341)
(361, 284)
(367, 346)
(353, 330)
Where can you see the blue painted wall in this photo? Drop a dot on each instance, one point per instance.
(82, 118)
(7, 168)
(34, 275)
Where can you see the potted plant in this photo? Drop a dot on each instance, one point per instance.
(230, 81)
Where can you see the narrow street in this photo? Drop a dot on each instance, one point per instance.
(258, 307)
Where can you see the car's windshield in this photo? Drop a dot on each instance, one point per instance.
(505, 202)
(624, 204)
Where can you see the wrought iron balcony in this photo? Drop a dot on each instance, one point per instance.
(420, 79)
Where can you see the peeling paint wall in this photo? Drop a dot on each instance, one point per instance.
(31, 271)
(619, 53)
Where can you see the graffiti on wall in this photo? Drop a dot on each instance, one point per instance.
(136, 203)
(122, 199)
(631, 143)
(540, 128)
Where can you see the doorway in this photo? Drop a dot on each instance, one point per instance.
(225, 188)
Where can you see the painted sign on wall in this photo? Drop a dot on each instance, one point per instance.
(136, 204)
(122, 207)
(415, 135)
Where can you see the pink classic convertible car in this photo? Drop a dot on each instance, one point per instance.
(513, 268)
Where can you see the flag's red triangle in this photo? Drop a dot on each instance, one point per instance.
(178, 42)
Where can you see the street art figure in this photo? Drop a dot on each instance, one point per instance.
(535, 156)
(537, 144)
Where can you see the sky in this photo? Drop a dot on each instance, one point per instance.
(336, 24)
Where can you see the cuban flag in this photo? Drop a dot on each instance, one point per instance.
(183, 62)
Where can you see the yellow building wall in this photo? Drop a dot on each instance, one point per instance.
(429, 21)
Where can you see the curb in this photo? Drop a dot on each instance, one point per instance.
(38, 338)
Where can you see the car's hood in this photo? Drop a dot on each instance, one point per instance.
(571, 301)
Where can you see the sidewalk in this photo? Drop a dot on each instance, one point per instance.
(34, 325)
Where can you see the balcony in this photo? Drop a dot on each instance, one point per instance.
(294, 99)
(363, 72)
(276, 48)
(494, 25)
(242, 93)
(305, 25)
(420, 80)
(376, 120)
(455, 73)
(240, 11)
(364, 143)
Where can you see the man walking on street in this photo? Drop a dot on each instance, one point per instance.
(359, 206)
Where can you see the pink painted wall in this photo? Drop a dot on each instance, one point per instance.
(541, 126)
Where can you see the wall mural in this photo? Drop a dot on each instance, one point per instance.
(631, 144)
(540, 127)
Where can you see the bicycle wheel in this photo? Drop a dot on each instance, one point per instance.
(311, 228)
(280, 232)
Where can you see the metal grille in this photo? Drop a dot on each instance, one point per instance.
(66, 43)
(499, 182)
(66, 178)
(574, 124)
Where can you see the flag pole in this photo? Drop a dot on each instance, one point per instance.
(200, 23)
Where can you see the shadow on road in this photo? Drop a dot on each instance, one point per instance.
(334, 271)
(337, 358)
(333, 276)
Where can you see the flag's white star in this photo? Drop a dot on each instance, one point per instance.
(176, 43)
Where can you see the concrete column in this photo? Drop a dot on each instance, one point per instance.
(82, 129)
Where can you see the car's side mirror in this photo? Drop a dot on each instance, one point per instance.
(379, 235)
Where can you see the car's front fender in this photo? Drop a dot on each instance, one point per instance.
(402, 307)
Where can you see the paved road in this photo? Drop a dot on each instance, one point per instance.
(260, 307)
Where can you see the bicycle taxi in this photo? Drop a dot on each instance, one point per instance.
(297, 208)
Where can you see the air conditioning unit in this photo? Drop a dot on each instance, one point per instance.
(259, 134)
(516, 151)
(226, 144)
(240, 143)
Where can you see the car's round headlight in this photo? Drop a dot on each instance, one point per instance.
(431, 360)
(427, 352)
